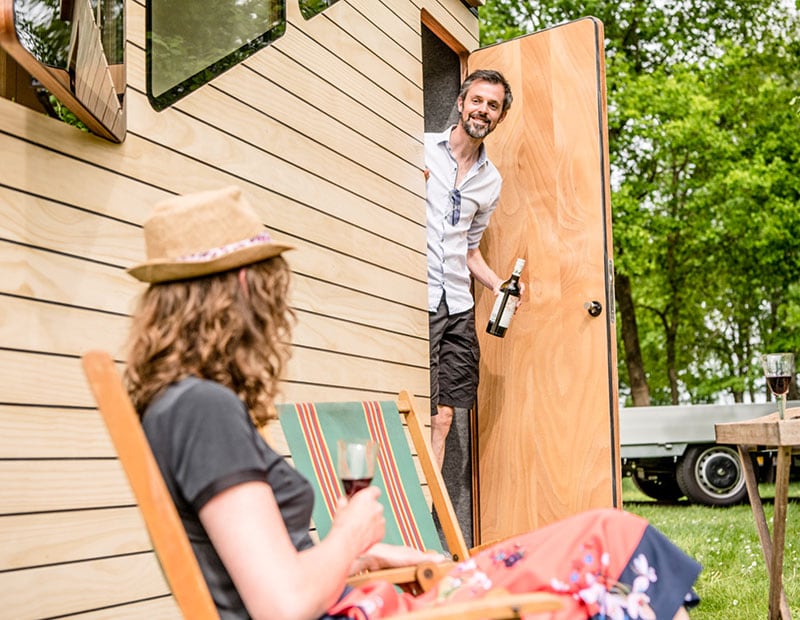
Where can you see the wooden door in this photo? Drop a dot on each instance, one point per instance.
(547, 423)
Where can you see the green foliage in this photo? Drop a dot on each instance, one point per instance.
(63, 113)
(704, 140)
(309, 8)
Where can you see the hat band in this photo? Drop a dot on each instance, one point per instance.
(213, 253)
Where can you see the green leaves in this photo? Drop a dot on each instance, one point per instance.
(704, 129)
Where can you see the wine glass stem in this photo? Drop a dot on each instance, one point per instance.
(781, 406)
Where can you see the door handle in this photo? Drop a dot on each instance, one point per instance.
(594, 308)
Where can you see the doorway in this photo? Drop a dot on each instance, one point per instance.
(442, 71)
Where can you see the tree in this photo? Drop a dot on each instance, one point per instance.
(702, 133)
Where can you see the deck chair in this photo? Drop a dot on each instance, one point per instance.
(169, 539)
(311, 431)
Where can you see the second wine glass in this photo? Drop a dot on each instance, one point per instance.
(779, 371)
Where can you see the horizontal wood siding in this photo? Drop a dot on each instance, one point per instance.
(323, 131)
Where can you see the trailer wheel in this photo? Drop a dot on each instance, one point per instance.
(712, 475)
(660, 486)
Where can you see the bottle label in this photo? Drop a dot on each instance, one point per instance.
(498, 302)
(508, 312)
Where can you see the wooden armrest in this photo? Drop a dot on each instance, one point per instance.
(419, 578)
(404, 574)
(496, 606)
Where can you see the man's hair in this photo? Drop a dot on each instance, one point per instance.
(214, 328)
(488, 75)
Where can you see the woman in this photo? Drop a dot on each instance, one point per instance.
(207, 348)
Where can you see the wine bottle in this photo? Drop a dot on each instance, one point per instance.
(506, 303)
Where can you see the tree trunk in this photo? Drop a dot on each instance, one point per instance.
(640, 391)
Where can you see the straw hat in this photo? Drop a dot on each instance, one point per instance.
(203, 233)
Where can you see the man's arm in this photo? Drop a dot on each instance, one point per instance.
(482, 272)
(485, 275)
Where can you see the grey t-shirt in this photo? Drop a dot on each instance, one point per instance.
(204, 442)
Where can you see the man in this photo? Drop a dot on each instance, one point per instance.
(463, 187)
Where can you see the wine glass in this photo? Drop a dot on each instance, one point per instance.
(356, 463)
(779, 370)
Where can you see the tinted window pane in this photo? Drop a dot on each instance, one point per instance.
(190, 42)
(309, 8)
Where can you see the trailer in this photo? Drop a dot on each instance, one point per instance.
(317, 109)
(671, 452)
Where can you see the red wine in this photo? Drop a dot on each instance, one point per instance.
(779, 384)
(354, 485)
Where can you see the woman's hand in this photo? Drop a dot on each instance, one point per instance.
(381, 555)
(361, 519)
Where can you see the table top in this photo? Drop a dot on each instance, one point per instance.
(767, 430)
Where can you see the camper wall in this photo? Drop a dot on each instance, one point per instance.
(323, 131)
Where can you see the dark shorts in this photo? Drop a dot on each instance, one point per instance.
(454, 358)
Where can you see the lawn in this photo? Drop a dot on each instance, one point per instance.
(733, 584)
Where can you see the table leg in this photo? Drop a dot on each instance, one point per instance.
(777, 600)
(777, 611)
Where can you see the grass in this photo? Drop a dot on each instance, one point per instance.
(734, 583)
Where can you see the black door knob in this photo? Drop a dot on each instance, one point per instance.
(594, 308)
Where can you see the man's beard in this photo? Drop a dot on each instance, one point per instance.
(479, 132)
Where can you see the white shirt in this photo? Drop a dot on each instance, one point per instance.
(448, 244)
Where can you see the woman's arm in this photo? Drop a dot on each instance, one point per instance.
(382, 555)
(275, 581)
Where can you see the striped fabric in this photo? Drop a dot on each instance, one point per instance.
(312, 430)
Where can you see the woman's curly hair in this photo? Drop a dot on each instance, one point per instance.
(212, 328)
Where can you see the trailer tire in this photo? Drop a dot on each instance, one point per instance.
(660, 486)
(712, 475)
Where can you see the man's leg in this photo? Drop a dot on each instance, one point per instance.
(440, 427)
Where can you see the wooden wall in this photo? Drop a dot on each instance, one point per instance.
(323, 130)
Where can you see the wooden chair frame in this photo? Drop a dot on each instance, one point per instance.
(169, 538)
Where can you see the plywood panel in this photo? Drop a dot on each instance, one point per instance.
(36, 486)
(44, 223)
(335, 70)
(43, 380)
(546, 405)
(54, 277)
(67, 178)
(76, 329)
(65, 385)
(69, 588)
(260, 162)
(45, 275)
(57, 537)
(52, 433)
(298, 123)
(168, 169)
(399, 20)
(36, 326)
(164, 608)
(328, 368)
(367, 49)
(78, 231)
(254, 155)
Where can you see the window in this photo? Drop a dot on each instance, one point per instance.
(190, 42)
(309, 8)
(74, 52)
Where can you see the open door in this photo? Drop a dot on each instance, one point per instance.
(548, 443)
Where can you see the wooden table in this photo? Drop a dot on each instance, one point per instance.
(784, 436)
